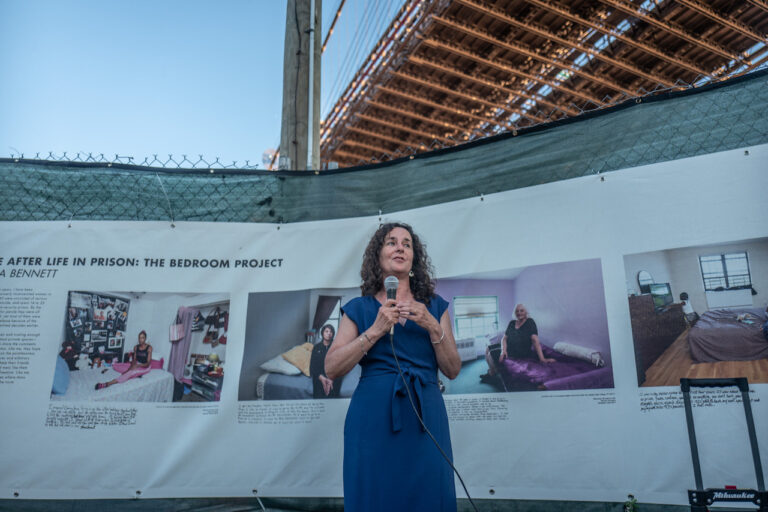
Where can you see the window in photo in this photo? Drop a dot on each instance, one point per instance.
(475, 316)
(725, 271)
(335, 317)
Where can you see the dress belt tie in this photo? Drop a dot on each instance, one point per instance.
(400, 396)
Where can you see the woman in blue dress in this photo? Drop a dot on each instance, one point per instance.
(390, 462)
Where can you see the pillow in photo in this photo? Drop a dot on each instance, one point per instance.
(585, 354)
(279, 365)
(299, 356)
(60, 377)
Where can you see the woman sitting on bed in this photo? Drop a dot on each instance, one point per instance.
(322, 386)
(521, 335)
(142, 356)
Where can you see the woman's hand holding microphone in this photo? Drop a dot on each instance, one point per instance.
(386, 318)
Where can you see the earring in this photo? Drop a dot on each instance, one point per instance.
(410, 273)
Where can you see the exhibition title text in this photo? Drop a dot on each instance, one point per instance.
(46, 267)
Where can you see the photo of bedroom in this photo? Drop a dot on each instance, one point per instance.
(287, 335)
(142, 347)
(699, 312)
(549, 320)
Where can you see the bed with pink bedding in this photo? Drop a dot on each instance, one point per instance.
(154, 386)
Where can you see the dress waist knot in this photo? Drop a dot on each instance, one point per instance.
(416, 379)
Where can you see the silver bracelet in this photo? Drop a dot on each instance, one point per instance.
(441, 338)
(362, 346)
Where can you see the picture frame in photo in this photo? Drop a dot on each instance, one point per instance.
(80, 300)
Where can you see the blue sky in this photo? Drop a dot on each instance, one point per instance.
(156, 77)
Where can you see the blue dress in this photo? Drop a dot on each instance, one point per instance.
(390, 463)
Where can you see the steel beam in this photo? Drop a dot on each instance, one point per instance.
(444, 108)
(511, 70)
(488, 83)
(469, 97)
(672, 28)
(562, 11)
(734, 25)
(567, 43)
(517, 48)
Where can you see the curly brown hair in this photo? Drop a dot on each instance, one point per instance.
(422, 282)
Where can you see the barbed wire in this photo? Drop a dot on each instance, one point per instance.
(170, 162)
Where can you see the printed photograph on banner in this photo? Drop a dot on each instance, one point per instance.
(550, 318)
(536, 328)
(142, 347)
(287, 335)
(699, 312)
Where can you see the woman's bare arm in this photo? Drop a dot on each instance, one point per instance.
(350, 346)
(149, 359)
(440, 334)
(537, 347)
(448, 359)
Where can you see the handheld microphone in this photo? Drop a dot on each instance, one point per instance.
(390, 285)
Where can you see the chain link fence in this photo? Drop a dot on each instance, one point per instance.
(660, 127)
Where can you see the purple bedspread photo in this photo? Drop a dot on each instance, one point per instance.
(719, 336)
(565, 373)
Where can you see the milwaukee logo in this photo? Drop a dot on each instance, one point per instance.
(734, 495)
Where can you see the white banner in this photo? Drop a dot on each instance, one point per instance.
(232, 312)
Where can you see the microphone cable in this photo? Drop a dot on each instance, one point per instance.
(416, 412)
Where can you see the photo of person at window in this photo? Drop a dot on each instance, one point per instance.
(521, 336)
(322, 386)
(139, 365)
